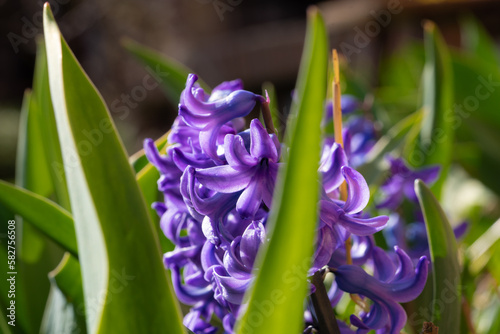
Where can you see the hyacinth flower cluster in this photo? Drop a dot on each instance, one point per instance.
(218, 180)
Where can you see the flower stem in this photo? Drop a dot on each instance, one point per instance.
(266, 114)
(337, 126)
(327, 322)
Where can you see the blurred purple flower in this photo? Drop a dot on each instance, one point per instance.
(359, 138)
(401, 183)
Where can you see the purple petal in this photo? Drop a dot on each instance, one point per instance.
(253, 237)
(326, 245)
(194, 321)
(232, 289)
(331, 166)
(262, 146)
(383, 267)
(224, 179)
(363, 226)
(405, 268)
(188, 294)
(410, 288)
(233, 263)
(182, 159)
(225, 88)
(358, 192)
(250, 199)
(208, 256)
(179, 256)
(236, 154)
(209, 116)
(348, 103)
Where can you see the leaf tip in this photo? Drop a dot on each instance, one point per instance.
(418, 186)
(312, 11)
(429, 26)
(47, 12)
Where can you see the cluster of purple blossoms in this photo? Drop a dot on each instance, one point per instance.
(218, 180)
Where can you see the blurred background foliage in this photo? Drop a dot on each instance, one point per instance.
(256, 41)
(261, 41)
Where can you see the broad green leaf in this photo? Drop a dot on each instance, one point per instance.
(37, 157)
(475, 39)
(48, 217)
(122, 271)
(32, 169)
(435, 144)
(171, 74)
(276, 301)
(47, 125)
(445, 273)
(391, 142)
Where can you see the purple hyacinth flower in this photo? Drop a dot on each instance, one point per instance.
(359, 138)
(253, 173)
(401, 182)
(346, 214)
(209, 114)
(198, 319)
(389, 286)
(338, 219)
(348, 104)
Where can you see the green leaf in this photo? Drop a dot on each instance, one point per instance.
(276, 301)
(5, 328)
(477, 42)
(45, 215)
(47, 125)
(477, 119)
(435, 144)
(170, 73)
(122, 270)
(68, 278)
(273, 107)
(445, 273)
(61, 316)
(482, 250)
(65, 308)
(37, 255)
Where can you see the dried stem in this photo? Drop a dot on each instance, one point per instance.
(266, 114)
(429, 328)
